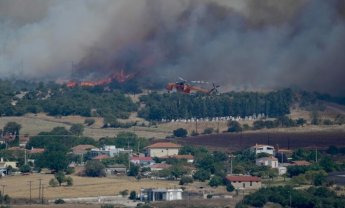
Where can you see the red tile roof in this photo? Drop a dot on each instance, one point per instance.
(160, 165)
(36, 150)
(243, 178)
(300, 163)
(80, 149)
(188, 157)
(101, 157)
(164, 145)
(142, 158)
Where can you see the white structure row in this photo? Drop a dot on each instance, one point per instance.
(215, 119)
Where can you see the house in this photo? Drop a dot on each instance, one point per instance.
(163, 149)
(267, 161)
(160, 194)
(259, 148)
(244, 181)
(82, 149)
(142, 161)
(5, 165)
(109, 150)
(282, 170)
(116, 169)
(159, 166)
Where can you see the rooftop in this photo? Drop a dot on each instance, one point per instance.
(164, 145)
(244, 178)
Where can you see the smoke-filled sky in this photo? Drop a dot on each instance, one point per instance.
(240, 44)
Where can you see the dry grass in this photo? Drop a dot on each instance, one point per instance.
(18, 186)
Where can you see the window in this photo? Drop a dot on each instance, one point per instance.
(244, 184)
(251, 183)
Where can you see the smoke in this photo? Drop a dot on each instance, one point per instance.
(240, 44)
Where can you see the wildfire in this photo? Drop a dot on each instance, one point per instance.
(120, 77)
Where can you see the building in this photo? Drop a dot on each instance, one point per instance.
(259, 148)
(160, 194)
(163, 149)
(244, 182)
(282, 170)
(109, 150)
(142, 161)
(267, 161)
(116, 169)
(5, 165)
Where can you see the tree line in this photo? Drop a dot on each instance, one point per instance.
(175, 105)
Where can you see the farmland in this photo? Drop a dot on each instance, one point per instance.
(284, 139)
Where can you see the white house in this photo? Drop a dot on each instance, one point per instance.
(163, 149)
(142, 161)
(109, 150)
(282, 170)
(160, 194)
(244, 181)
(267, 161)
(259, 148)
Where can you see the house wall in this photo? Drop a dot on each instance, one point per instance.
(162, 152)
(246, 185)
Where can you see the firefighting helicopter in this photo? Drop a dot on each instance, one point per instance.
(183, 86)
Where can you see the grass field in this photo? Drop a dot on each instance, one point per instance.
(18, 186)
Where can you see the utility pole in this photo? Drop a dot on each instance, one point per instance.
(30, 182)
(3, 193)
(42, 193)
(39, 189)
(315, 154)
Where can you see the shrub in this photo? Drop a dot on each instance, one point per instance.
(59, 201)
(69, 171)
(133, 195)
(185, 180)
(180, 132)
(89, 121)
(69, 181)
(215, 181)
(124, 193)
(53, 182)
(208, 131)
(25, 169)
(230, 187)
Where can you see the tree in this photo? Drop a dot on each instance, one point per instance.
(202, 175)
(12, 128)
(60, 177)
(89, 121)
(215, 181)
(180, 132)
(185, 180)
(94, 168)
(77, 129)
(133, 170)
(133, 195)
(230, 187)
(25, 168)
(234, 126)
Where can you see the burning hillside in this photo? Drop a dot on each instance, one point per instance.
(241, 44)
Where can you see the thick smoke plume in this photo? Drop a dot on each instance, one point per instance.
(241, 44)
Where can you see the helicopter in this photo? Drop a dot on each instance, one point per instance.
(183, 86)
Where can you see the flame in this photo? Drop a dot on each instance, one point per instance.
(120, 77)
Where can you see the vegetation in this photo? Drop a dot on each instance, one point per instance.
(180, 132)
(173, 106)
(287, 196)
(94, 168)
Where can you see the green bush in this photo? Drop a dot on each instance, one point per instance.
(59, 201)
(53, 182)
(185, 180)
(133, 195)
